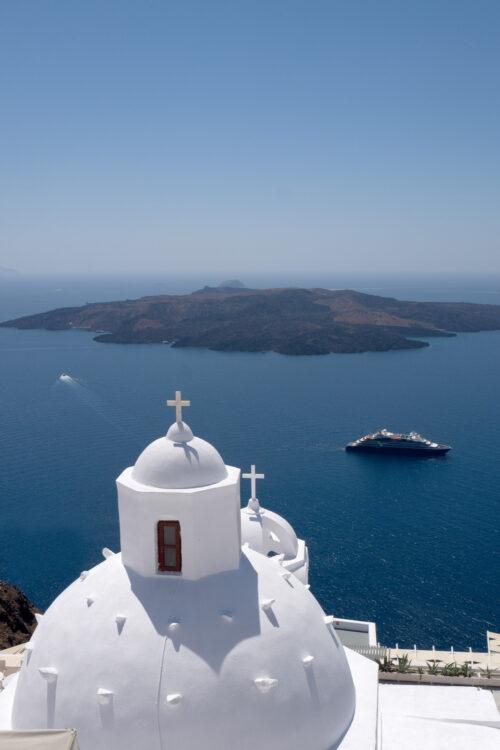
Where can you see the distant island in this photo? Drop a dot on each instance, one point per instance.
(230, 284)
(288, 321)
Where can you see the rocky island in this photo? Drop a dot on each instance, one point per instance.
(288, 321)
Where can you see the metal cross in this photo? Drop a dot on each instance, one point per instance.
(178, 403)
(253, 477)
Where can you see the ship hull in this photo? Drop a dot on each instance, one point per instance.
(441, 450)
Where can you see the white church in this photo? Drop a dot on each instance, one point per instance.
(202, 632)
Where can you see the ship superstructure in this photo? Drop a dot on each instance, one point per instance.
(384, 441)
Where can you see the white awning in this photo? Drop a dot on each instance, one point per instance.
(39, 739)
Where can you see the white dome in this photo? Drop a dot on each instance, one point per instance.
(187, 637)
(241, 660)
(266, 531)
(269, 533)
(179, 461)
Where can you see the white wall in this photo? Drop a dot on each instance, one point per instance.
(209, 519)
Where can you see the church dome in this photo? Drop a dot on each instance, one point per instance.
(179, 461)
(241, 660)
(268, 532)
(187, 637)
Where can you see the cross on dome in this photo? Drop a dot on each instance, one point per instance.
(253, 478)
(178, 403)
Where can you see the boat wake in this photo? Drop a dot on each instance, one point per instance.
(87, 397)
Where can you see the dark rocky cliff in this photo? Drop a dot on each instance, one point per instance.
(17, 616)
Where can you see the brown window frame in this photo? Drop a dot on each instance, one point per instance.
(162, 547)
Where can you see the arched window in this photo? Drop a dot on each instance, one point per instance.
(169, 546)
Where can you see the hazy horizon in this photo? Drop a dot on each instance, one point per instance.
(324, 137)
(256, 278)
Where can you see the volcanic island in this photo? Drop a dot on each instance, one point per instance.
(284, 320)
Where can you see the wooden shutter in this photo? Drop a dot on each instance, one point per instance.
(169, 546)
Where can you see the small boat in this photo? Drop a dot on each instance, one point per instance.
(384, 441)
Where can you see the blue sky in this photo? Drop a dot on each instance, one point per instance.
(239, 136)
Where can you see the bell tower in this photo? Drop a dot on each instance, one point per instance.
(179, 507)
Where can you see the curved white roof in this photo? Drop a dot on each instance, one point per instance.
(266, 531)
(179, 461)
(222, 647)
(269, 533)
(242, 660)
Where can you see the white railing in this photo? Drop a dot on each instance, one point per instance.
(371, 652)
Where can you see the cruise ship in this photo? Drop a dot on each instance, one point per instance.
(384, 441)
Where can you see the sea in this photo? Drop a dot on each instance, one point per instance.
(410, 543)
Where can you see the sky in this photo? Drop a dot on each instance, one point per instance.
(249, 135)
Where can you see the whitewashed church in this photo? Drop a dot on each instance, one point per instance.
(201, 633)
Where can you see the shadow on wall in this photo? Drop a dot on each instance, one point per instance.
(177, 607)
(51, 704)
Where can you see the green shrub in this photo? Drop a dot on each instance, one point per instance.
(385, 664)
(466, 669)
(403, 663)
(433, 666)
(451, 670)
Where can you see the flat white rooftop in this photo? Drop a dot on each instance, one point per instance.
(435, 717)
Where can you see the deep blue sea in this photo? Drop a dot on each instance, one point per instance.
(412, 544)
